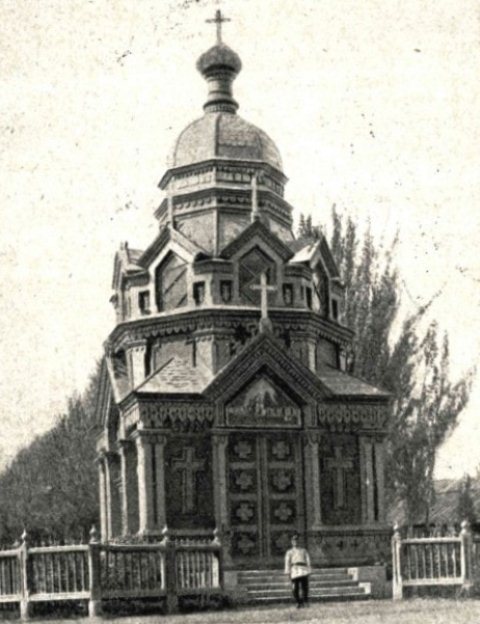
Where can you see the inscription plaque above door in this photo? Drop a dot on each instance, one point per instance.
(262, 404)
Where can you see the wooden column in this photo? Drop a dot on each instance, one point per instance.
(367, 482)
(380, 476)
(128, 490)
(145, 488)
(102, 498)
(158, 466)
(112, 490)
(220, 441)
(313, 479)
(220, 488)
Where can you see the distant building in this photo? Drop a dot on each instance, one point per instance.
(225, 401)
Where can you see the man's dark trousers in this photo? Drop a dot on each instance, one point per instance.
(300, 586)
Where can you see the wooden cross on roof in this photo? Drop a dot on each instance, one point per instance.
(264, 288)
(218, 20)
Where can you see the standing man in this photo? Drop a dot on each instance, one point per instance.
(297, 566)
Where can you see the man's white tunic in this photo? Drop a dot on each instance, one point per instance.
(297, 562)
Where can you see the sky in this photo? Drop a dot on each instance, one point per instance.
(373, 105)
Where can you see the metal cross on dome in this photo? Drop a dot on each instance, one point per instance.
(218, 20)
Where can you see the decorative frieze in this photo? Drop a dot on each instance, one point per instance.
(348, 417)
(188, 321)
(176, 415)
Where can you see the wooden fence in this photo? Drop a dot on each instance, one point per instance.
(96, 572)
(435, 561)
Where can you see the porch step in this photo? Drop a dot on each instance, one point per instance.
(268, 586)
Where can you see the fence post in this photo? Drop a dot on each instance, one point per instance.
(95, 600)
(397, 583)
(170, 573)
(25, 604)
(466, 546)
(218, 554)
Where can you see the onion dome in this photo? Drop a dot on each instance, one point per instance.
(220, 66)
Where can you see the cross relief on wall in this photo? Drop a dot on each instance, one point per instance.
(189, 467)
(339, 466)
(281, 450)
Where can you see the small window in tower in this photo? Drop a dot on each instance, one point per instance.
(308, 297)
(144, 301)
(335, 309)
(199, 292)
(226, 291)
(288, 294)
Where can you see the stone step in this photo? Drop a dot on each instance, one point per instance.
(277, 577)
(325, 591)
(313, 584)
(284, 579)
(280, 572)
(325, 598)
(252, 577)
(269, 586)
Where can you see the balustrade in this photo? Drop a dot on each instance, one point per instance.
(97, 571)
(432, 561)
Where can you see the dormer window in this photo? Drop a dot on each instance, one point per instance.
(171, 283)
(144, 302)
(226, 291)
(335, 309)
(199, 293)
(288, 294)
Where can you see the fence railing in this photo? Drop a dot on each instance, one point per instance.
(433, 561)
(94, 572)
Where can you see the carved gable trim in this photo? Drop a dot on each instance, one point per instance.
(257, 229)
(265, 353)
(166, 237)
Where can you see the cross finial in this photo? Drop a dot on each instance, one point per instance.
(264, 288)
(218, 20)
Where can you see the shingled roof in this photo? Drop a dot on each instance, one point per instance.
(177, 376)
(343, 384)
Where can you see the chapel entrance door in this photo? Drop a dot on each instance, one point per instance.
(266, 495)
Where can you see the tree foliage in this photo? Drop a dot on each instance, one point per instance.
(50, 488)
(402, 352)
(465, 505)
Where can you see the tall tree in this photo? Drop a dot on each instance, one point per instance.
(49, 488)
(465, 505)
(392, 349)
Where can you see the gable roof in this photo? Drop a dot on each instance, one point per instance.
(126, 262)
(342, 384)
(257, 228)
(166, 235)
(265, 351)
(176, 376)
(306, 249)
(445, 505)
(103, 396)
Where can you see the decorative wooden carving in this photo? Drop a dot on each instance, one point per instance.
(349, 417)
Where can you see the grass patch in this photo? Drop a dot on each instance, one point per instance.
(415, 611)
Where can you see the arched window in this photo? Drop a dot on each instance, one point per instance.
(171, 283)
